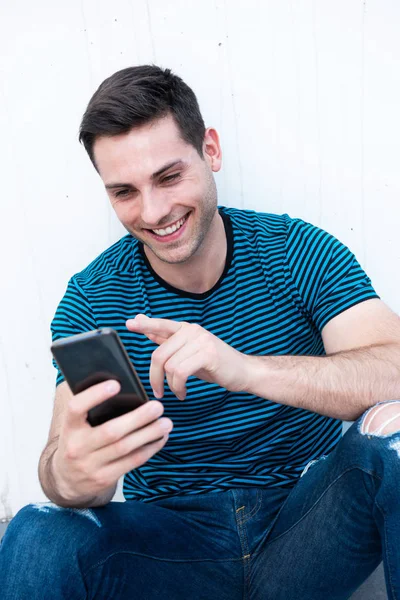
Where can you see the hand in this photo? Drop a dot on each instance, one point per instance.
(90, 460)
(188, 349)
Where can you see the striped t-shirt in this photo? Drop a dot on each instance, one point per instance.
(284, 279)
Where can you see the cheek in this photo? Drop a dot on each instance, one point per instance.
(127, 212)
(187, 191)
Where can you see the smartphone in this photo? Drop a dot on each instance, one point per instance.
(95, 356)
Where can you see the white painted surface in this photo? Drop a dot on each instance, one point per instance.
(305, 95)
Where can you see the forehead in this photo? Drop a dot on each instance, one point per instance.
(140, 152)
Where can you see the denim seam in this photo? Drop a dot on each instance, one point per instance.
(245, 558)
(173, 560)
(388, 569)
(365, 485)
(315, 504)
(244, 546)
(256, 508)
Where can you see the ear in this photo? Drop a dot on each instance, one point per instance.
(212, 149)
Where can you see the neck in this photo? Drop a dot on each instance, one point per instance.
(202, 271)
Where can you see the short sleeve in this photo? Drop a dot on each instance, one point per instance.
(73, 315)
(325, 272)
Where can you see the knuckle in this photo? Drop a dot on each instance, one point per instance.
(102, 481)
(157, 355)
(121, 447)
(180, 376)
(109, 434)
(180, 372)
(73, 407)
(88, 474)
(71, 452)
(169, 367)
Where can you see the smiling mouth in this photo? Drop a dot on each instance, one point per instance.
(163, 232)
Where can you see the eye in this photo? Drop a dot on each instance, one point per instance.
(170, 178)
(121, 193)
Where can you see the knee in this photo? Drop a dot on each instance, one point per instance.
(32, 523)
(382, 420)
(22, 530)
(31, 519)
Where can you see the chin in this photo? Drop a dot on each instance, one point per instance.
(179, 254)
(173, 258)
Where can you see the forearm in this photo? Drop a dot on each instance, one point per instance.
(341, 385)
(51, 487)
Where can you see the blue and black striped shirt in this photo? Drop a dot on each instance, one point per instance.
(284, 279)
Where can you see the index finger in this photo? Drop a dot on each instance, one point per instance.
(144, 324)
(80, 404)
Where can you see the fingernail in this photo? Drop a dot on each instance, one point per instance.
(165, 425)
(155, 407)
(112, 386)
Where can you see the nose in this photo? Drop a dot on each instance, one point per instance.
(154, 208)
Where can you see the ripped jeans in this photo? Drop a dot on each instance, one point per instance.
(318, 541)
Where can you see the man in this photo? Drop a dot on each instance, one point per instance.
(256, 334)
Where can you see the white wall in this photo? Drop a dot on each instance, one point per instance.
(304, 93)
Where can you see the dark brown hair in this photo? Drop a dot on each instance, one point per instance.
(138, 95)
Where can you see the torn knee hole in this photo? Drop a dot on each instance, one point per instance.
(47, 507)
(382, 420)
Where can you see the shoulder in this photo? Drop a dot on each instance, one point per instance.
(115, 260)
(305, 239)
(254, 223)
(291, 230)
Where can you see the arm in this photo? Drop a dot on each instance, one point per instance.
(47, 475)
(361, 369)
(84, 468)
(68, 320)
(362, 366)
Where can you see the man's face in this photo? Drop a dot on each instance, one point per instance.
(162, 191)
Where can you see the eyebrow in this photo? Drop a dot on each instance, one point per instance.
(174, 163)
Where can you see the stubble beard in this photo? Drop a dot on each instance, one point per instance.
(198, 235)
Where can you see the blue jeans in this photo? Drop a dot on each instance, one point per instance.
(318, 541)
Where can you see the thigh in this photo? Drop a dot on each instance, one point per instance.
(325, 541)
(183, 547)
(123, 550)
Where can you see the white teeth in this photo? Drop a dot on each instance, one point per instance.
(170, 229)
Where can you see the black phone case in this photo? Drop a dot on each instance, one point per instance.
(95, 356)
